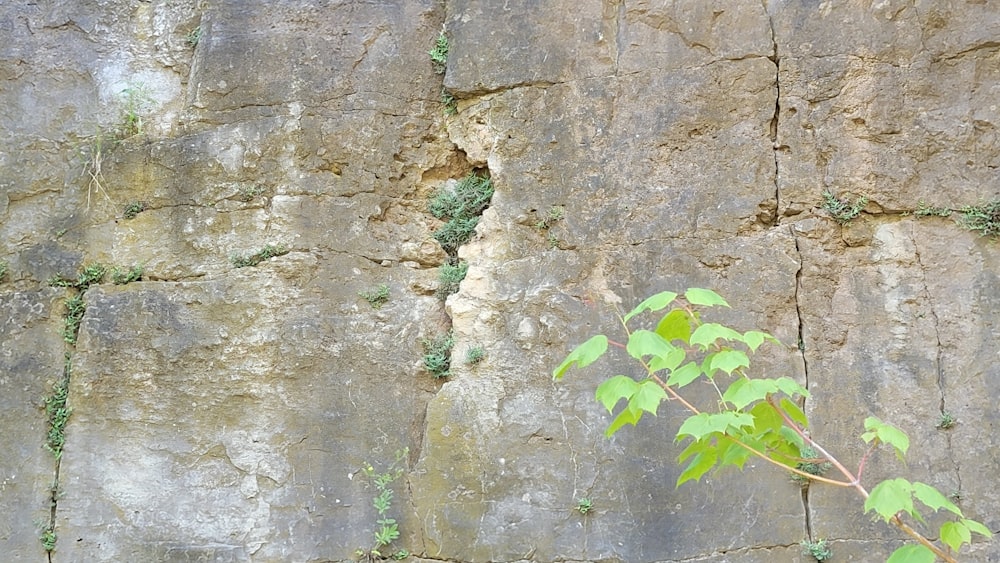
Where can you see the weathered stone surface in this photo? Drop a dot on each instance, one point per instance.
(223, 413)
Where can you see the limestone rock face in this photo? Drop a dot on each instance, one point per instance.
(269, 164)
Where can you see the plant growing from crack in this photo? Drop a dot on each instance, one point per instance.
(437, 354)
(376, 297)
(843, 210)
(460, 208)
(386, 528)
(584, 505)
(984, 218)
(254, 258)
(818, 550)
(439, 54)
(449, 278)
(752, 416)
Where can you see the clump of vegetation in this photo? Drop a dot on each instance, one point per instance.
(250, 191)
(450, 277)
(810, 463)
(134, 208)
(983, 218)
(842, 210)
(88, 276)
(584, 505)
(554, 215)
(924, 210)
(134, 99)
(255, 258)
(474, 355)
(48, 538)
(449, 101)
(194, 36)
(120, 276)
(75, 309)
(439, 54)
(58, 413)
(818, 550)
(460, 208)
(387, 529)
(437, 354)
(376, 297)
(945, 421)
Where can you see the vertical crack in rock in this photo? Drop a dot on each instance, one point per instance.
(805, 371)
(774, 58)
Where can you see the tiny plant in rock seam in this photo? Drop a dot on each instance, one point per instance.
(449, 278)
(58, 413)
(924, 210)
(842, 210)
(984, 219)
(753, 417)
(437, 355)
(134, 208)
(945, 421)
(377, 296)
(810, 463)
(460, 208)
(194, 36)
(386, 528)
(555, 214)
(474, 355)
(584, 505)
(48, 538)
(120, 276)
(818, 550)
(249, 191)
(439, 54)
(269, 251)
(449, 101)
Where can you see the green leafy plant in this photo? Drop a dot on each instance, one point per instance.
(386, 528)
(945, 421)
(983, 218)
(121, 276)
(752, 416)
(249, 191)
(269, 251)
(58, 413)
(584, 505)
(460, 208)
(818, 550)
(437, 354)
(810, 463)
(924, 210)
(48, 538)
(554, 215)
(449, 101)
(842, 210)
(75, 309)
(194, 36)
(134, 208)
(376, 297)
(439, 54)
(474, 355)
(450, 277)
(89, 275)
(134, 98)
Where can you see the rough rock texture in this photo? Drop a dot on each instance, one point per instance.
(224, 414)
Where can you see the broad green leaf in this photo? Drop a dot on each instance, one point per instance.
(744, 391)
(669, 361)
(614, 389)
(734, 454)
(792, 437)
(887, 434)
(730, 360)
(707, 297)
(675, 325)
(647, 343)
(696, 446)
(700, 425)
(648, 396)
(913, 553)
(934, 499)
(794, 412)
(627, 416)
(765, 418)
(584, 355)
(654, 303)
(708, 333)
(891, 497)
(700, 465)
(954, 534)
(977, 527)
(755, 338)
(684, 375)
(790, 387)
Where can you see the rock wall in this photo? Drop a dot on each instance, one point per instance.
(225, 414)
